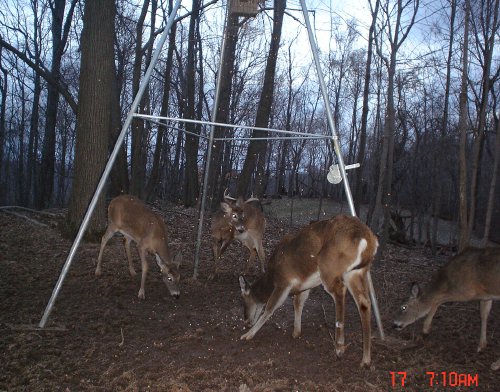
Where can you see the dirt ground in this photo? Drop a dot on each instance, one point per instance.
(100, 337)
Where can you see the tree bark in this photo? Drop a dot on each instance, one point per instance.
(464, 238)
(257, 149)
(94, 115)
(364, 114)
(489, 27)
(59, 39)
(159, 146)
(436, 208)
(138, 154)
(492, 191)
(215, 176)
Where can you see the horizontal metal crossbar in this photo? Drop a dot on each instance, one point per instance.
(301, 135)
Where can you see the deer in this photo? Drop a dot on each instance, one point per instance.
(238, 220)
(336, 253)
(137, 222)
(473, 274)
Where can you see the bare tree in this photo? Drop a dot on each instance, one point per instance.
(94, 115)
(192, 141)
(257, 149)
(60, 34)
(464, 238)
(484, 27)
(396, 34)
(436, 208)
(138, 159)
(492, 191)
(358, 192)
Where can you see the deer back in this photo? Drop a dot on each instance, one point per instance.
(330, 246)
(133, 218)
(473, 274)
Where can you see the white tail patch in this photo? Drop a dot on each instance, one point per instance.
(361, 248)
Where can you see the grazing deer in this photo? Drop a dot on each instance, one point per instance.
(473, 274)
(129, 216)
(238, 220)
(336, 253)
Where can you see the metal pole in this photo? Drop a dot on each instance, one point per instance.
(109, 165)
(338, 152)
(210, 146)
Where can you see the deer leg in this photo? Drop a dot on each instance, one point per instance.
(224, 246)
(110, 231)
(250, 260)
(218, 248)
(298, 305)
(484, 307)
(337, 290)
(262, 256)
(357, 284)
(129, 257)
(278, 296)
(144, 264)
(428, 320)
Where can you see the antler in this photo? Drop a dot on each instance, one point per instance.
(227, 197)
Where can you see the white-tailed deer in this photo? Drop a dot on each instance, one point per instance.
(238, 220)
(336, 253)
(473, 274)
(129, 216)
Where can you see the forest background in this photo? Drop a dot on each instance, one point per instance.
(413, 87)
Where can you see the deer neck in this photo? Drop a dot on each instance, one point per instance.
(262, 288)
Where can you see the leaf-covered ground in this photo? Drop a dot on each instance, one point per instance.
(100, 337)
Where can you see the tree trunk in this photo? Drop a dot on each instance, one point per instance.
(138, 155)
(215, 176)
(257, 149)
(159, 146)
(119, 173)
(191, 187)
(94, 114)
(444, 125)
(3, 104)
(491, 195)
(464, 238)
(384, 189)
(59, 39)
(483, 105)
(364, 114)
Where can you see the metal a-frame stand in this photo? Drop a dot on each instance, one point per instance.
(132, 113)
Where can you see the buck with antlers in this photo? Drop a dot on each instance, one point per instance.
(238, 220)
(473, 274)
(336, 253)
(129, 216)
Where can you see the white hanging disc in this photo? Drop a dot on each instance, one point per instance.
(333, 176)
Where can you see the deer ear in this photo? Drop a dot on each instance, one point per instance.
(159, 261)
(177, 259)
(225, 207)
(415, 290)
(244, 285)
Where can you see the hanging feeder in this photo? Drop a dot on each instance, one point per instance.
(244, 7)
